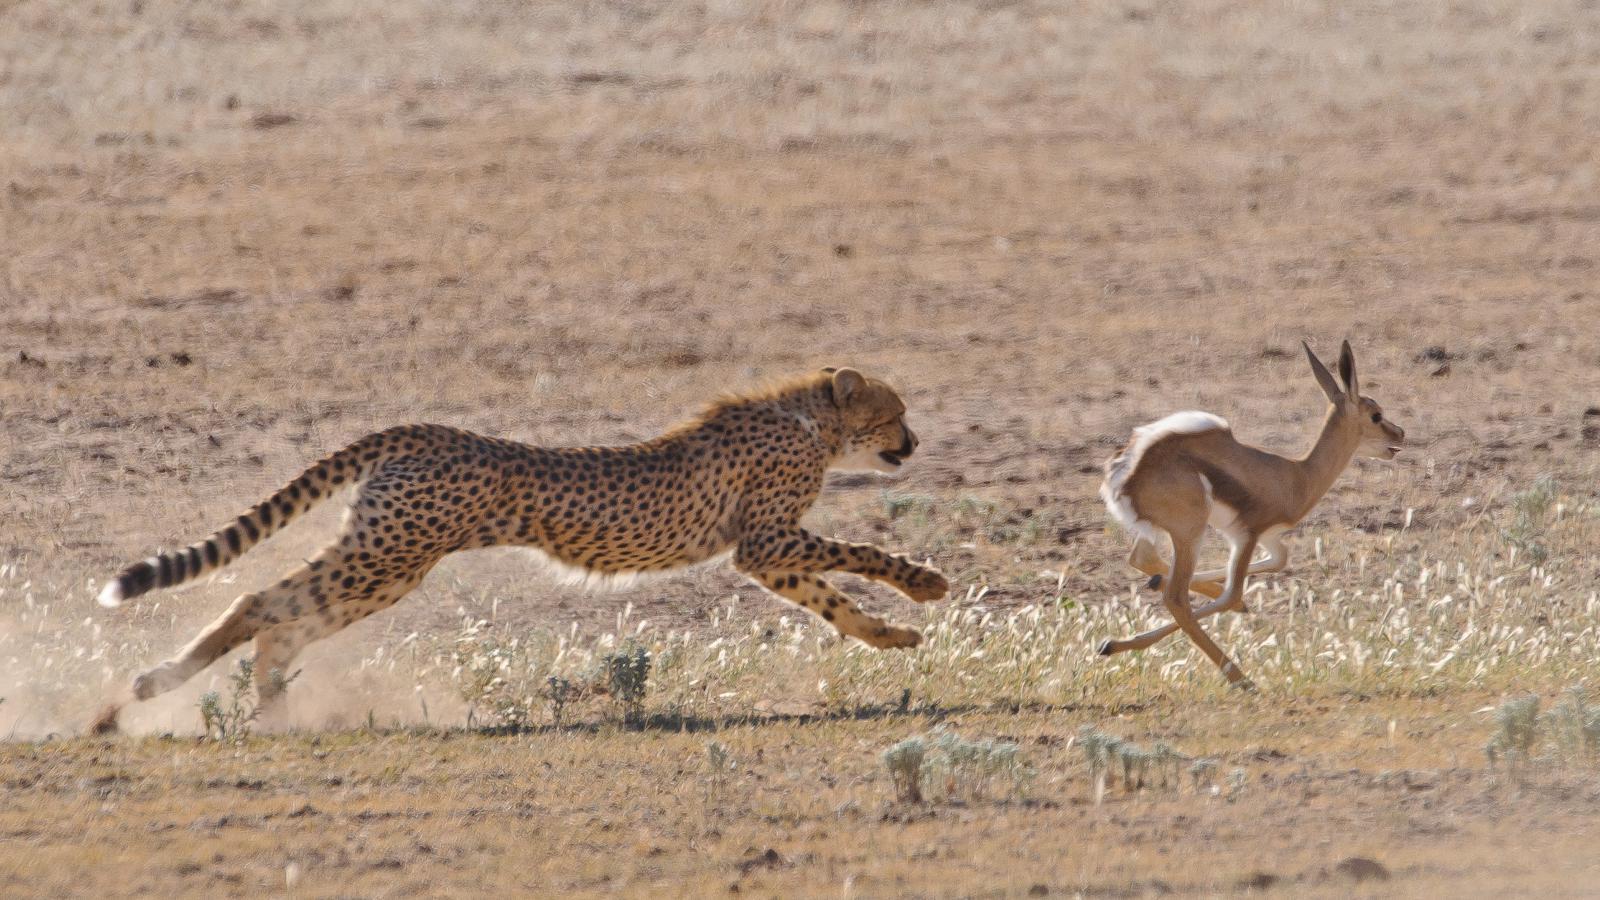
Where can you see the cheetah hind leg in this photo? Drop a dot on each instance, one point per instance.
(815, 594)
(229, 630)
(277, 647)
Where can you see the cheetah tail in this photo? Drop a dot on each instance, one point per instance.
(348, 466)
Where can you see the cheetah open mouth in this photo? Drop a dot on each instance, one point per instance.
(898, 455)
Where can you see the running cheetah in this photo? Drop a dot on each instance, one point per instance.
(739, 477)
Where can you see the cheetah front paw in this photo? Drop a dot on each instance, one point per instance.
(891, 637)
(927, 584)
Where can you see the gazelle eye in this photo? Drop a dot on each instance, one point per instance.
(1377, 417)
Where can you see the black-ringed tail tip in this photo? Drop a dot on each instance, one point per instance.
(135, 580)
(110, 596)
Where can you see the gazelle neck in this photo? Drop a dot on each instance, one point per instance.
(1328, 457)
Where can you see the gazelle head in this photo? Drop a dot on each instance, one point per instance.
(1380, 438)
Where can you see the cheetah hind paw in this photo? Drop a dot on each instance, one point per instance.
(105, 721)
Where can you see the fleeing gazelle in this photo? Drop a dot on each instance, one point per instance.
(1187, 471)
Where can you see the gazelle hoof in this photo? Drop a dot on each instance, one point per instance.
(1105, 648)
(1245, 685)
(1154, 583)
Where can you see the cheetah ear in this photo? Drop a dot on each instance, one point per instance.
(846, 384)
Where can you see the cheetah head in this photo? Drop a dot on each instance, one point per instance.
(876, 438)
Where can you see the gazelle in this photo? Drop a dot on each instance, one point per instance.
(1187, 471)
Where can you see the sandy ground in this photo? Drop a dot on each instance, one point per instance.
(237, 237)
(1311, 800)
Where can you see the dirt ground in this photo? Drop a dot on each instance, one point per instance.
(238, 236)
(1331, 809)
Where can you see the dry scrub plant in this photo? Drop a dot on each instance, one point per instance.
(232, 721)
(1530, 519)
(942, 765)
(1572, 724)
(1107, 756)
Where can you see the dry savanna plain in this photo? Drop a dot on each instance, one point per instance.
(236, 236)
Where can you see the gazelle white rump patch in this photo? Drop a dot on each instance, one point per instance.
(1122, 466)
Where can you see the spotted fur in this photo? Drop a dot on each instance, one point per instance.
(739, 477)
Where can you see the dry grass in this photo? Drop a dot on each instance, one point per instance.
(268, 228)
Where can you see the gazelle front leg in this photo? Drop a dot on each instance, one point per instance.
(1276, 560)
(1230, 597)
(1209, 582)
(1146, 558)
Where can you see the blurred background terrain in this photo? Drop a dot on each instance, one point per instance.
(237, 236)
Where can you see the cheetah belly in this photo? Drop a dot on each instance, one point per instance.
(604, 548)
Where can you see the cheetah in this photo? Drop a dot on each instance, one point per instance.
(738, 478)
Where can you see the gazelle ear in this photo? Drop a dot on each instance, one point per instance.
(1347, 371)
(1324, 377)
(846, 384)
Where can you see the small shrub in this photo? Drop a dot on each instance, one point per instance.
(232, 721)
(488, 678)
(1107, 754)
(627, 677)
(719, 765)
(943, 765)
(1530, 515)
(1576, 725)
(1237, 779)
(1518, 731)
(904, 762)
(558, 692)
(918, 506)
(717, 758)
(973, 768)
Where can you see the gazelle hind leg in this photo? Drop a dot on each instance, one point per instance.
(1223, 601)
(1238, 569)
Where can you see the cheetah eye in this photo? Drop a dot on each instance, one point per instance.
(1377, 417)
